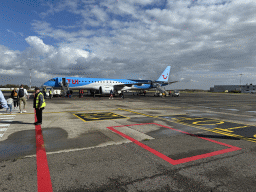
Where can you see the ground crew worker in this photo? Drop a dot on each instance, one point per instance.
(50, 94)
(39, 104)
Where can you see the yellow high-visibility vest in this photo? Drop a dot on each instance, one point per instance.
(37, 100)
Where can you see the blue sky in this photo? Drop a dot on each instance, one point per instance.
(207, 42)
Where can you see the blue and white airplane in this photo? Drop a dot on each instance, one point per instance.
(104, 86)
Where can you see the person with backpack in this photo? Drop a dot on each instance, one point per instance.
(22, 93)
(14, 96)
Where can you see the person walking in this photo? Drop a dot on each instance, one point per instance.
(9, 104)
(81, 92)
(22, 94)
(68, 93)
(111, 94)
(122, 95)
(44, 92)
(38, 105)
(14, 96)
(3, 102)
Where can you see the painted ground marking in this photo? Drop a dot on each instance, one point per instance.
(43, 174)
(168, 159)
(4, 127)
(98, 116)
(227, 128)
(223, 131)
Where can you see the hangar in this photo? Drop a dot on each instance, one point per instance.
(248, 88)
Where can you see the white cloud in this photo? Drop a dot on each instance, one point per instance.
(210, 37)
(38, 44)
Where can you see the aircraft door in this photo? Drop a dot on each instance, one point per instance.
(64, 82)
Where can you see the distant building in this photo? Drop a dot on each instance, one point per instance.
(244, 88)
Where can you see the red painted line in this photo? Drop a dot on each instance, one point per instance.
(43, 174)
(168, 159)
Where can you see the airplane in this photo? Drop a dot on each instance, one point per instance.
(104, 86)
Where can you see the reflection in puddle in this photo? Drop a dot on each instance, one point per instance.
(23, 143)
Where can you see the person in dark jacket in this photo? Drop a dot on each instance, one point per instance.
(39, 104)
(14, 96)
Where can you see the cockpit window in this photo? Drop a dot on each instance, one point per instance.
(52, 80)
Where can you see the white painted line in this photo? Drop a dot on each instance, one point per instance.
(4, 125)
(7, 115)
(251, 111)
(232, 109)
(1, 135)
(3, 129)
(85, 148)
(7, 118)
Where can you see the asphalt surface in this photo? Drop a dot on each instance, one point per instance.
(195, 142)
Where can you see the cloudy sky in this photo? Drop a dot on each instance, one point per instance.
(207, 42)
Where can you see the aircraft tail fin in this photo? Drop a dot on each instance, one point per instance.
(165, 75)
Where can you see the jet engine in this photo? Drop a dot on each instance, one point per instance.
(106, 89)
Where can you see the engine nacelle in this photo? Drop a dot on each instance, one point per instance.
(106, 89)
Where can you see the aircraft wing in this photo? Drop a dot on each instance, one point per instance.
(172, 82)
(138, 82)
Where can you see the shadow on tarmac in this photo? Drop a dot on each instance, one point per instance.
(15, 122)
(215, 136)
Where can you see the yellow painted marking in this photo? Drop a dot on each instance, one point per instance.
(207, 122)
(200, 127)
(99, 116)
(224, 130)
(238, 127)
(79, 117)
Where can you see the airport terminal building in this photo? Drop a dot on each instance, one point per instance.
(231, 88)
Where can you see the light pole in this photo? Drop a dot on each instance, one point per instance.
(30, 79)
(240, 80)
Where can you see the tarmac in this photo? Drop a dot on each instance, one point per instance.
(195, 142)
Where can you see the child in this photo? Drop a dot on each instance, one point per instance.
(9, 103)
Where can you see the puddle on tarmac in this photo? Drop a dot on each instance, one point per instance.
(23, 143)
(251, 119)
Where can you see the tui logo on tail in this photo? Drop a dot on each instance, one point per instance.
(166, 76)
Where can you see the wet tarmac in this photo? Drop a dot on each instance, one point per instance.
(195, 142)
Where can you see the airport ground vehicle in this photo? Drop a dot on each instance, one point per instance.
(175, 93)
(56, 93)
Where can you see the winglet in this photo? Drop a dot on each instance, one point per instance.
(165, 75)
